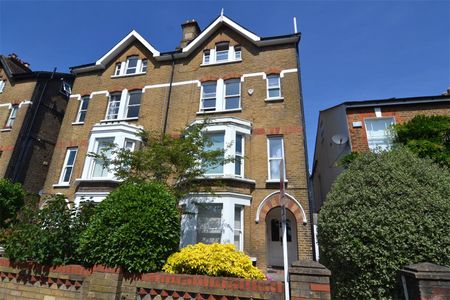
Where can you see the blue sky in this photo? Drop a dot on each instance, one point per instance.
(350, 50)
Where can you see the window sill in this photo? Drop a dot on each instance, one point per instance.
(119, 120)
(5, 129)
(61, 185)
(219, 111)
(275, 181)
(227, 177)
(113, 180)
(221, 63)
(77, 123)
(278, 99)
(128, 75)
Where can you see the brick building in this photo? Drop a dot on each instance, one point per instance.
(32, 106)
(361, 126)
(249, 88)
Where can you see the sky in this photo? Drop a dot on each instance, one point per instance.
(349, 50)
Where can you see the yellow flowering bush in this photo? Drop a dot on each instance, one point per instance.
(219, 260)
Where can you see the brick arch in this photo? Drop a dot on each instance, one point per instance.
(272, 200)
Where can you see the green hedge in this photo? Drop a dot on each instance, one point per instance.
(387, 210)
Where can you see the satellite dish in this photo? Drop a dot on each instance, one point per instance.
(339, 139)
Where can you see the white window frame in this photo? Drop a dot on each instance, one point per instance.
(239, 155)
(128, 105)
(269, 159)
(94, 161)
(12, 116)
(220, 97)
(388, 138)
(212, 53)
(202, 108)
(280, 96)
(240, 230)
(231, 127)
(229, 202)
(2, 85)
(66, 165)
(81, 110)
(225, 96)
(119, 132)
(123, 106)
(121, 68)
(66, 88)
(108, 115)
(136, 68)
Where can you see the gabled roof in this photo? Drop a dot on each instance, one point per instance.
(184, 52)
(13, 66)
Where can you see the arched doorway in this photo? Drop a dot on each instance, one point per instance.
(274, 237)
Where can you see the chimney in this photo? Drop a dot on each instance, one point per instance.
(190, 31)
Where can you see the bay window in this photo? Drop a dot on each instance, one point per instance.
(209, 223)
(217, 142)
(103, 145)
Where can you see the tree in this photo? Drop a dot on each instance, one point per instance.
(427, 136)
(176, 161)
(49, 235)
(12, 197)
(136, 227)
(387, 210)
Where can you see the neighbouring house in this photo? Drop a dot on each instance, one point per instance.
(32, 106)
(249, 88)
(357, 126)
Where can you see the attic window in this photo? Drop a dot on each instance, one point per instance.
(66, 88)
(222, 53)
(133, 66)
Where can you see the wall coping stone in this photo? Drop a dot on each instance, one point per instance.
(427, 271)
(309, 267)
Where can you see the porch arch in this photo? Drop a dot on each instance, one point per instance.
(270, 202)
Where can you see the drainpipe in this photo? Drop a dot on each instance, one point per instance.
(166, 116)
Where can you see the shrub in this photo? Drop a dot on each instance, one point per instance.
(136, 227)
(48, 236)
(11, 200)
(213, 260)
(388, 210)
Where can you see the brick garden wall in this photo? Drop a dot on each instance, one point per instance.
(28, 281)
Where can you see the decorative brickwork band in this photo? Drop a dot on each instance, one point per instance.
(273, 71)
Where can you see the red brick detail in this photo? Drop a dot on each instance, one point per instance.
(186, 296)
(209, 78)
(153, 292)
(135, 88)
(115, 91)
(273, 70)
(175, 295)
(142, 292)
(164, 293)
(316, 287)
(232, 76)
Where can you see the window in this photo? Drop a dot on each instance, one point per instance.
(209, 96)
(238, 227)
(275, 154)
(69, 162)
(237, 52)
(132, 64)
(12, 116)
(222, 53)
(134, 104)
(118, 69)
(232, 94)
(239, 154)
(217, 141)
(103, 146)
(113, 106)
(222, 50)
(144, 66)
(220, 95)
(378, 133)
(273, 86)
(209, 223)
(2, 85)
(66, 88)
(206, 56)
(83, 109)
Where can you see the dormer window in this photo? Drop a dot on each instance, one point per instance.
(133, 66)
(222, 50)
(222, 53)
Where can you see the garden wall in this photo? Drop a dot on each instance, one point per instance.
(310, 280)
